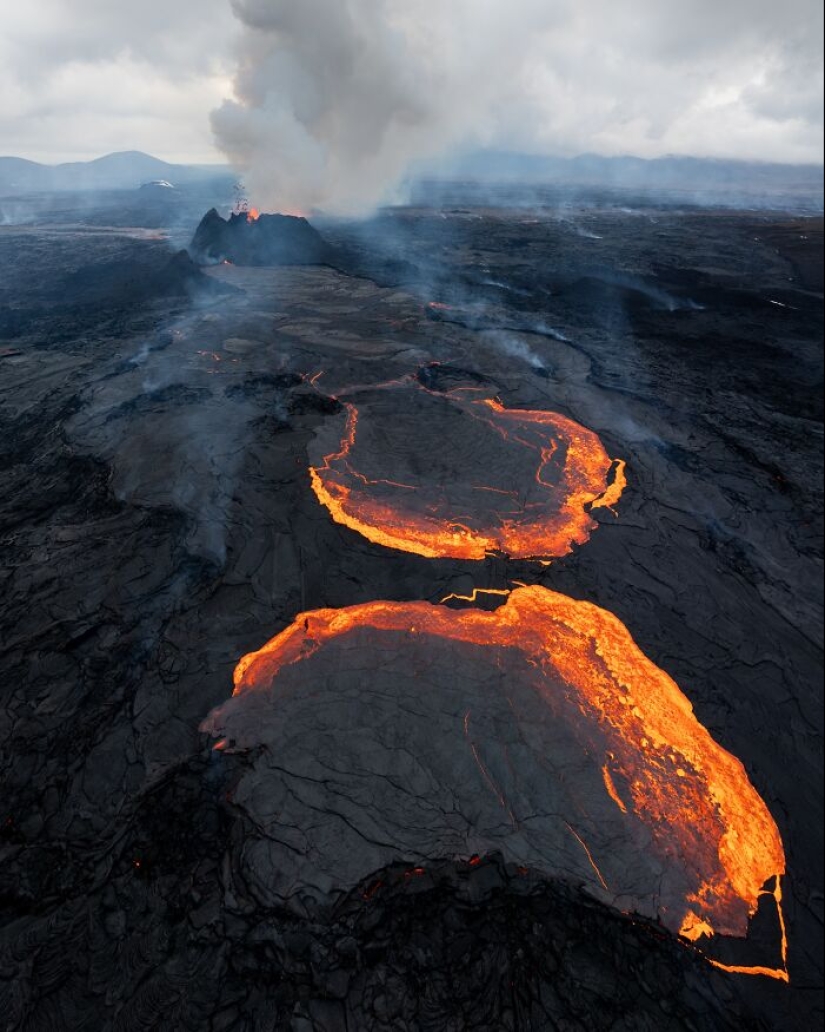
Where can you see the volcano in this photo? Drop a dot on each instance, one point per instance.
(251, 239)
(438, 799)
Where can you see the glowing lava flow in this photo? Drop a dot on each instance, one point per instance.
(665, 779)
(458, 512)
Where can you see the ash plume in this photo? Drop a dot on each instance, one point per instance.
(337, 98)
(336, 101)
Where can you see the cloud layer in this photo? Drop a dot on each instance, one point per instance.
(327, 102)
(80, 78)
(335, 98)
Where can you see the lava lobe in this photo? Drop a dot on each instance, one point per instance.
(407, 731)
(458, 475)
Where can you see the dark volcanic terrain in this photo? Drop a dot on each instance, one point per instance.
(158, 422)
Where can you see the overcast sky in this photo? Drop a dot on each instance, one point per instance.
(728, 78)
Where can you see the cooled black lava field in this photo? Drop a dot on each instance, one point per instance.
(400, 834)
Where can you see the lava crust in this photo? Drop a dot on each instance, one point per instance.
(157, 522)
(458, 475)
(389, 719)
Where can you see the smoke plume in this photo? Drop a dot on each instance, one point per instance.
(335, 100)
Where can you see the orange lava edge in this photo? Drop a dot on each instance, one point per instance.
(780, 974)
(643, 704)
(587, 471)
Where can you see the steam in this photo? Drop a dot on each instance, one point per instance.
(337, 98)
(513, 347)
(172, 434)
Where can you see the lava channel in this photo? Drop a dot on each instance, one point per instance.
(407, 731)
(453, 475)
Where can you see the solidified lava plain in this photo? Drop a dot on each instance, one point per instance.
(159, 428)
(457, 475)
(539, 731)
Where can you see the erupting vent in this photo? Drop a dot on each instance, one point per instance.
(250, 238)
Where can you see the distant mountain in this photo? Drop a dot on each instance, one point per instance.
(683, 174)
(122, 171)
(701, 176)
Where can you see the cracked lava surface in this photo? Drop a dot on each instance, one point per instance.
(458, 475)
(549, 737)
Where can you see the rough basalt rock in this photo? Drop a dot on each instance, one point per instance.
(266, 240)
(157, 521)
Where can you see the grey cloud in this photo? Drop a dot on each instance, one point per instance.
(336, 98)
(79, 78)
(180, 37)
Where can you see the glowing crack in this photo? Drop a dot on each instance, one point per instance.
(664, 779)
(554, 472)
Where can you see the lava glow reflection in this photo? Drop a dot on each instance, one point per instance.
(661, 770)
(467, 513)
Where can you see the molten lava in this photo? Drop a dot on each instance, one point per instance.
(514, 481)
(680, 797)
